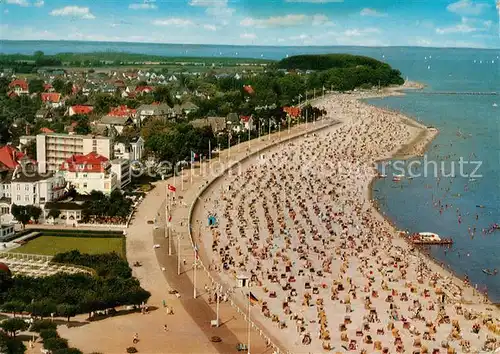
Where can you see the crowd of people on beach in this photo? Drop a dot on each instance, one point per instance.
(325, 271)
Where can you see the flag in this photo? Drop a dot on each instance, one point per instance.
(253, 300)
(194, 156)
(171, 188)
(169, 218)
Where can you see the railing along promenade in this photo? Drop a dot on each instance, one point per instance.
(219, 283)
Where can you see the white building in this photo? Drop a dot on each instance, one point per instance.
(33, 188)
(133, 151)
(121, 167)
(54, 149)
(90, 172)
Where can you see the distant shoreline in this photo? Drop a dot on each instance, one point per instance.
(236, 45)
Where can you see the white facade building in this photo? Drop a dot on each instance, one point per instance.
(53, 149)
(90, 172)
(121, 167)
(32, 188)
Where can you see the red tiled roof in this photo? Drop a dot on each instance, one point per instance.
(47, 87)
(80, 109)
(19, 83)
(248, 89)
(122, 111)
(292, 111)
(92, 162)
(46, 130)
(9, 156)
(52, 97)
(245, 119)
(144, 89)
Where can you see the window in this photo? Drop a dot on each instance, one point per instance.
(84, 175)
(85, 185)
(27, 198)
(94, 142)
(26, 188)
(18, 187)
(18, 198)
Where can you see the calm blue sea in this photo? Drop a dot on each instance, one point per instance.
(469, 128)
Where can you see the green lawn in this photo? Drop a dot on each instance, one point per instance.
(51, 245)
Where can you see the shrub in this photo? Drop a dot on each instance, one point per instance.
(132, 350)
(40, 325)
(48, 333)
(54, 344)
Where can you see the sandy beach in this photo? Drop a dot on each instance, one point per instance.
(326, 270)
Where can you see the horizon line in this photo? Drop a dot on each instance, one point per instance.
(242, 45)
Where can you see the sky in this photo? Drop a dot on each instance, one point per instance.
(432, 23)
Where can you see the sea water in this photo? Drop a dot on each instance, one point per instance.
(468, 125)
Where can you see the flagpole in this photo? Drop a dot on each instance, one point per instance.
(209, 150)
(218, 295)
(249, 127)
(194, 271)
(178, 254)
(248, 349)
(192, 162)
(306, 117)
(168, 224)
(269, 127)
(219, 153)
(229, 146)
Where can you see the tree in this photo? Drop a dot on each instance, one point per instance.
(20, 214)
(54, 344)
(67, 351)
(58, 85)
(36, 85)
(14, 325)
(34, 212)
(14, 307)
(48, 333)
(162, 94)
(30, 149)
(43, 308)
(54, 213)
(40, 325)
(68, 311)
(11, 345)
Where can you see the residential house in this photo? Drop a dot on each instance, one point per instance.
(143, 90)
(52, 99)
(90, 172)
(48, 88)
(19, 87)
(10, 158)
(132, 150)
(218, 124)
(155, 110)
(118, 118)
(79, 109)
(44, 114)
(24, 140)
(53, 149)
(29, 187)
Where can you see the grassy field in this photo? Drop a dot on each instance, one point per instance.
(51, 245)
